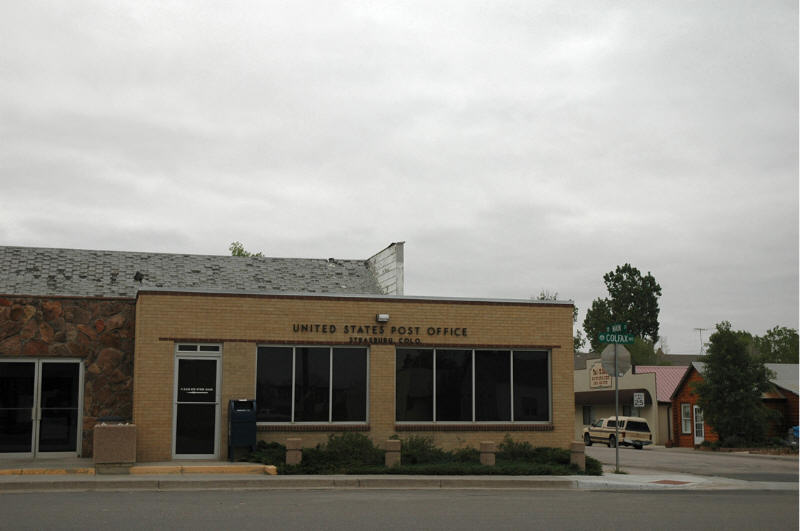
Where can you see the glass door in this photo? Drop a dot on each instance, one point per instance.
(17, 391)
(58, 407)
(196, 407)
(40, 407)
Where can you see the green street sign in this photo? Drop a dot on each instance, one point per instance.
(620, 339)
(617, 328)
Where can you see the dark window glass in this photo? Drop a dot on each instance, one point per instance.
(16, 428)
(58, 430)
(635, 425)
(197, 380)
(209, 348)
(60, 385)
(274, 384)
(611, 424)
(587, 415)
(16, 385)
(414, 385)
(16, 403)
(454, 385)
(194, 431)
(312, 384)
(349, 385)
(492, 385)
(531, 389)
(187, 348)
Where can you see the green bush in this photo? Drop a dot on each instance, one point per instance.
(466, 455)
(419, 449)
(353, 448)
(337, 456)
(511, 450)
(355, 453)
(735, 441)
(593, 467)
(268, 453)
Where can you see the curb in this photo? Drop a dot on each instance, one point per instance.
(159, 470)
(199, 482)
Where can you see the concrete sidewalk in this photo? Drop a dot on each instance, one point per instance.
(80, 474)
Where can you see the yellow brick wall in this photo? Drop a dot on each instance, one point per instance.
(240, 323)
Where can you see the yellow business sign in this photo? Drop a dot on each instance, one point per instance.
(598, 377)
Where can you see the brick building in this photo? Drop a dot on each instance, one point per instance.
(689, 426)
(322, 345)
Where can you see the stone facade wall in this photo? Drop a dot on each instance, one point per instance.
(98, 331)
(240, 323)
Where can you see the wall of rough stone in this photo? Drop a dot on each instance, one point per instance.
(98, 331)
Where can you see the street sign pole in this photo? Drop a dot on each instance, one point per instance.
(616, 406)
(617, 334)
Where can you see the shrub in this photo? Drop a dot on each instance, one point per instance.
(509, 450)
(466, 455)
(341, 453)
(355, 453)
(353, 448)
(734, 441)
(593, 467)
(268, 453)
(419, 449)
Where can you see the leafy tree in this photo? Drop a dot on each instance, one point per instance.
(779, 345)
(633, 299)
(730, 392)
(578, 341)
(643, 352)
(237, 249)
(598, 317)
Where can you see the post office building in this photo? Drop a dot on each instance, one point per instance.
(322, 346)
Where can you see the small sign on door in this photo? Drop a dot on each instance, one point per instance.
(638, 399)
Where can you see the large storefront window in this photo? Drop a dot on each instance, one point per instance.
(456, 385)
(311, 384)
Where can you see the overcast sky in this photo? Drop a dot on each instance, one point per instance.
(514, 146)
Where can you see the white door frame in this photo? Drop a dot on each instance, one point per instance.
(217, 357)
(697, 419)
(36, 409)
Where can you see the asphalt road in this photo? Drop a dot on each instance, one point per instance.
(401, 509)
(728, 465)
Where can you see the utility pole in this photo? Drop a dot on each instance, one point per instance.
(701, 339)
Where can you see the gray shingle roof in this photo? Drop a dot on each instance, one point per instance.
(786, 376)
(77, 272)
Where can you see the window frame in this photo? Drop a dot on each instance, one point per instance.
(473, 350)
(330, 421)
(686, 407)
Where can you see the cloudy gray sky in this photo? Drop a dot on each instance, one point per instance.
(514, 146)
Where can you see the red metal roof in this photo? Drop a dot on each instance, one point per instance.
(667, 379)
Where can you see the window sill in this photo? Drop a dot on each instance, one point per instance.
(492, 426)
(311, 427)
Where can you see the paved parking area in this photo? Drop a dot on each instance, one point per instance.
(740, 466)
